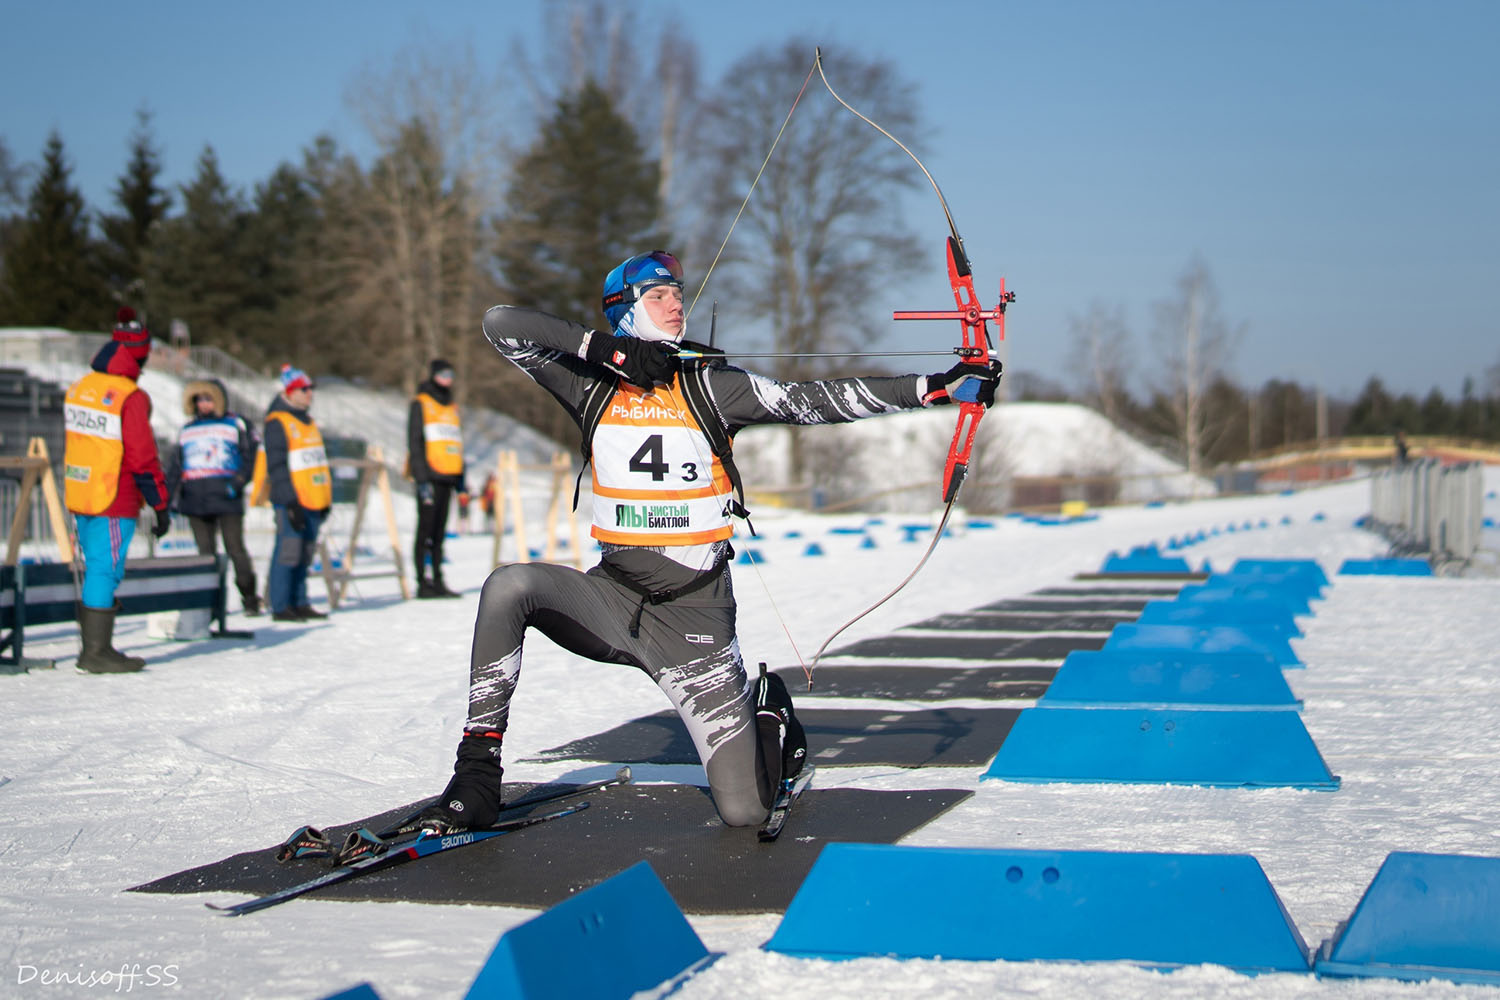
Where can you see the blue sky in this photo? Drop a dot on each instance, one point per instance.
(1335, 163)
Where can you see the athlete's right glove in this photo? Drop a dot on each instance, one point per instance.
(639, 362)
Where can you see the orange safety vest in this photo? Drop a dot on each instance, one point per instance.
(94, 441)
(441, 431)
(656, 478)
(307, 461)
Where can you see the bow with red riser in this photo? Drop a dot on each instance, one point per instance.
(976, 347)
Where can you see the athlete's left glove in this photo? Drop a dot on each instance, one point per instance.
(965, 382)
(639, 362)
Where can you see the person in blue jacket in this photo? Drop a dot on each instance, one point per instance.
(207, 477)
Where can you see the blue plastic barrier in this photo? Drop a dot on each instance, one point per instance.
(1262, 613)
(1195, 593)
(1297, 582)
(813, 549)
(1248, 749)
(749, 557)
(1305, 567)
(624, 935)
(868, 543)
(1424, 916)
(1160, 910)
(1144, 562)
(1206, 639)
(364, 991)
(1385, 567)
(1114, 679)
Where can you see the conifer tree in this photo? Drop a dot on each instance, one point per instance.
(51, 274)
(197, 269)
(583, 199)
(143, 203)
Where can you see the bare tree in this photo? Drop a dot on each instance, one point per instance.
(1101, 358)
(434, 115)
(12, 178)
(823, 228)
(1196, 344)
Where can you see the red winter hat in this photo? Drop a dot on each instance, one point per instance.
(293, 379)
(128, 331)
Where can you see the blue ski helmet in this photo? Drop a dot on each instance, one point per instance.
(624, 285)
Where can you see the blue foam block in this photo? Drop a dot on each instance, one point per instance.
(813, 549)
(624, 935)
(1297, 582)
(1238, 612)
(364, 991)
(1206, 639)
(1202, 592)
(1161, 910)
(750, 556)
(1144, 562)
(1305, 567)
(1162, 746)
(1385, 567)
(1113, 678)
(1424, 916)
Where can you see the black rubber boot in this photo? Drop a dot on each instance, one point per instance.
(472, 799)
(250, 598)
(97, 626)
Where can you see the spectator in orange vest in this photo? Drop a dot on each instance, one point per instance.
(435, 458)
(111, 471)
(301, 493)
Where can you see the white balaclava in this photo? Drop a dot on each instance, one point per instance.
(637, 323)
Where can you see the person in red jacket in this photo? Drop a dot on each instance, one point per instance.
(111, 470)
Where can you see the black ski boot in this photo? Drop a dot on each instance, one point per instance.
(440, 588)
(473, 797)
(781, 736)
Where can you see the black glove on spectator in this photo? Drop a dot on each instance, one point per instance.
(296, 517)
(965, 382)
(163, 522)
(639, 362)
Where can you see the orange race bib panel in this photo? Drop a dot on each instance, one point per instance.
(94, 441)
(656, 480)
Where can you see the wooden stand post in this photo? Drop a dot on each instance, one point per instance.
(36, 468)
(372, 473)
(508, 487)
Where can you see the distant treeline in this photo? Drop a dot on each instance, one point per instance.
(527, 189)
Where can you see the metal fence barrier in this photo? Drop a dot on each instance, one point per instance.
(1426, 507)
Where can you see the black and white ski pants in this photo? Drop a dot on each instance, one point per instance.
(687, 646)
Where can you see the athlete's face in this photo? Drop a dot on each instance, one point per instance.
(664, 305)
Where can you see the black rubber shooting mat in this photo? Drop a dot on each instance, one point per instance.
(939, 737)
(1008, 621)
(708, 867)
(1040, 605)
(916, 683)
(1124, 588)
(1145, 577)
(990, 649)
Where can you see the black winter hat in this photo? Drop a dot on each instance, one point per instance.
(438, 367)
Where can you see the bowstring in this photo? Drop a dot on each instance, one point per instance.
(817, 67)
(763, 164)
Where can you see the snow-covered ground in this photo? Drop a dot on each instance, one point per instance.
(111, 781)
